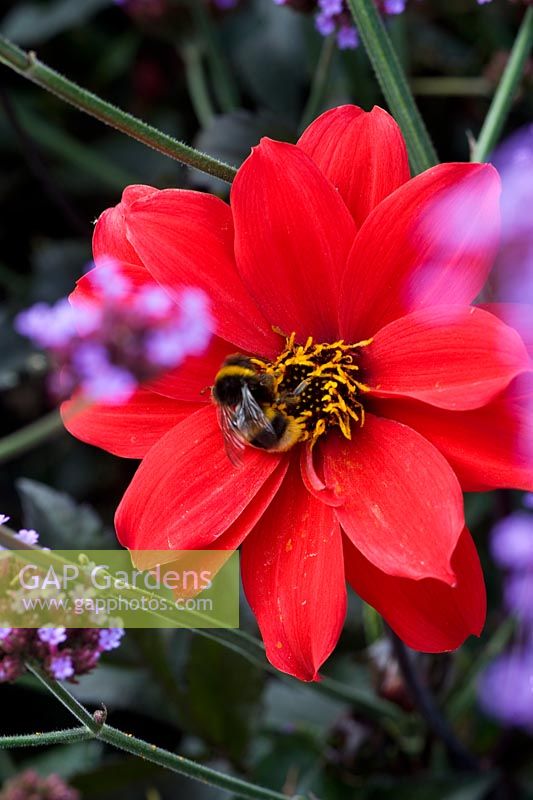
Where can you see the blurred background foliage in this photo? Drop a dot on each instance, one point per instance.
(220, 81)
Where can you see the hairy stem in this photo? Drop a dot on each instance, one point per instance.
(506, 91)
(393, 83)
(29, 66)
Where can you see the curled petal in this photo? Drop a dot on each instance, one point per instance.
(427, 614)
(109, 238)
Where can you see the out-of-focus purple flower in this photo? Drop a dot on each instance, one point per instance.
(334, 17)
(61, 667)
(512, 541)
(347, 37)
(105, 349)
(29, 785)
(225, 5)
(513, 272)
(519, 595)
(28, 536)
(52, 636)
(527, 500)
(506, 689)
(110, 638)
(4, 633)
(25, 536)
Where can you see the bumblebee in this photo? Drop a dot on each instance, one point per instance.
(247, 412)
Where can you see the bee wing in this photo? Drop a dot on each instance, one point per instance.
(249, 413)
(233, 441)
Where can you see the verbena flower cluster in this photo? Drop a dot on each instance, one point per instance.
(63, 653)
(29, 785)
(106, 350)
(334, 17)
(506, 687)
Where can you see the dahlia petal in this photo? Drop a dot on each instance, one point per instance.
(186, 492)
(403, 507)
(109, 238)
(489, 447)
(431, 242)
(449, 356)
(362, 153)
(428, 615)
(518, 316)
(130, 429)
(185, 238)
(293, 576)
(234, 536)
(292, 237)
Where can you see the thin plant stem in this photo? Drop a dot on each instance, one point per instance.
(430, 712)
(32, 435)
(29, 66)
(97, 726)
(68, 736)
(319, 84)
(506, 91)
(196, 84)
(37, 433)
(224, 86)
(393, 83)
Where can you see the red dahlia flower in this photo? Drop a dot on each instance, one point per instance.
(374, 274)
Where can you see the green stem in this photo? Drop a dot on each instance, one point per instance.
(393, 83)
(224, 86)
(69, 736)
(28, 65)
(33, 435)
(198, 91)
(319, 83)
(150, 752)
(506, 91)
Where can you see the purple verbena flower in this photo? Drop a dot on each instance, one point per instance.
(110, 638)
(106, 346)
(52, 636)
(61, 667)
(512, 541)
(27, 536)
(506, 689)
(29, 785)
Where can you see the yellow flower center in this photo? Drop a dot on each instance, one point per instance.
(318, 385)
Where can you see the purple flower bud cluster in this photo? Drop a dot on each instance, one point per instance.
(63, 653)
(30, 785)
(506, 687)
(333, 17)
(107, 348)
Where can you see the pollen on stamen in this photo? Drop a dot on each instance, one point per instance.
(319, 385)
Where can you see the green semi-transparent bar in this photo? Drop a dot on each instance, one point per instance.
(118, 588)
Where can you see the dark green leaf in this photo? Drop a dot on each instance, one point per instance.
(61, 522)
